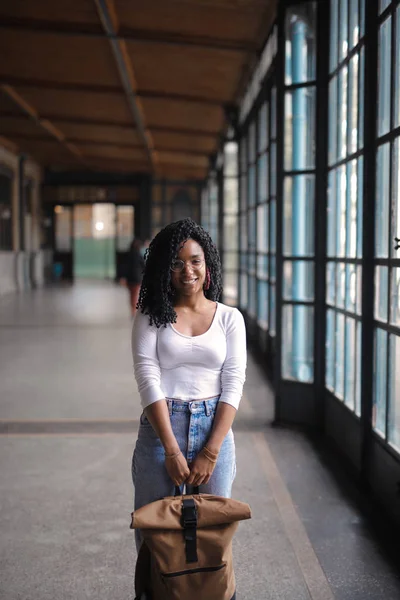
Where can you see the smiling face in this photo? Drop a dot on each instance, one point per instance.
(191, 279)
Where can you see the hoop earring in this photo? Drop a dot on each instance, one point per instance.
(207, 282)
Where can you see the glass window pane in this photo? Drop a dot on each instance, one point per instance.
(334, 34)
(380, 381)
(341, 199)
(298, 280)
(352, 139)
(354, 27)
(300, 129)
(243, 233)
(340, 284)
(252, 297)
(349, 391)
(252, 186)
(381, 293)
(361, 105)
(330, 283)
(298, 343)
(243, 192)
(395, 299)
(272, 218)
(262, 266)
(359, 290)
(230, 195)
(252, 229)
(262, 228)
(299, 216)
(394, 392)
(262, 290)
(351, 288)
(397, 76)
(231, 261)
(382, 202)
(243, 291)
(360, 190)
(262, 178)
(272, 268)
(331, 216)
(339, 356)
(384, 72)
(300, 44)
(125, 226)
(383, 4)
(342, 104)
(333, 120)
(243, 155)
(343, 33)
(330, 350)
(230, 159)
(273, 113)
(396, 196)
(351, 216)
(230, 233)
(252, 143)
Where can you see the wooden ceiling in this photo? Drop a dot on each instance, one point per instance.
(125, 85)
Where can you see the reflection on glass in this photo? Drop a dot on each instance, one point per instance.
(297, 343)
(330, 350)
(262, 317)
(384, 72)
(342, 131)
(351, 288)
(382, 202)
(380, 381)
(334, 34)
(353, 105)
(394, 392)
(262, 178)
(333, 128)
(331, 214)
(330, 283)
(262, 228)
(298, 280)
(381, 293)
(395, 298)
(354, 27)
(396, 195)
(343, 22)
(299, 215)
(339, 356)
(350, 363)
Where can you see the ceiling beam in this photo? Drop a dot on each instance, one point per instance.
(105, 89)
(108, 18)
(45, 124)
(121, 125)
(125, 33)
(8, 144)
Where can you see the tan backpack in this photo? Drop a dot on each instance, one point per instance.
(187, 549)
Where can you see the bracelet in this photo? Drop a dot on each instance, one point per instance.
(211, 456)
(172, 455)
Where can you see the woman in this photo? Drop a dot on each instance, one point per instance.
(189, 355)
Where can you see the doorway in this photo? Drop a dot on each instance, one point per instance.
(94, 241)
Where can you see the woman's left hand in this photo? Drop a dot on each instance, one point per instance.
(201, 470)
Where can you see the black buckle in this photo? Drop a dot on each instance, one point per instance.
(189, 524)
(189, 513)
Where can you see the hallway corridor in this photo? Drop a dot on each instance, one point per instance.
(69, 413)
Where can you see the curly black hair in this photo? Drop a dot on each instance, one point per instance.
(157, 293)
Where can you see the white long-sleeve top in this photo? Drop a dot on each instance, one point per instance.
(169, 364)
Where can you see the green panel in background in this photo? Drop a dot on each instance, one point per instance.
(94, 258)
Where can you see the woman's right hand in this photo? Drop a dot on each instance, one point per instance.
(177, 468)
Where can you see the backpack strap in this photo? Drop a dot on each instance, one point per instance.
(189, 524)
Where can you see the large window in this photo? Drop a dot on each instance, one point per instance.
(345, 202)
(230, 224)
(299, 193)
(386, 393)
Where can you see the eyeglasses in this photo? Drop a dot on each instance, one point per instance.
(177, 264)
